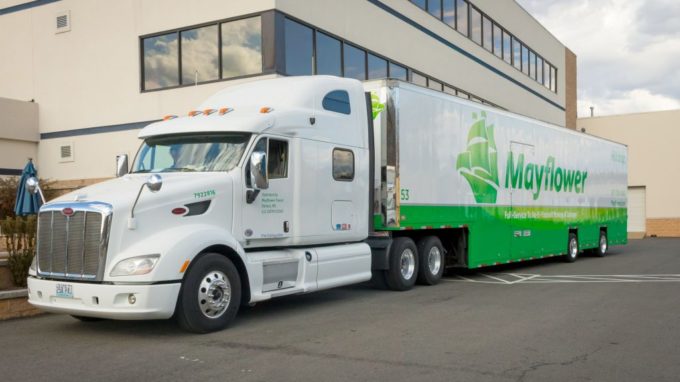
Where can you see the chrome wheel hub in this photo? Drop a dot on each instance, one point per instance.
(214, 294)
(434, 260)
(573, 248)
(407, 264)
(603, 244)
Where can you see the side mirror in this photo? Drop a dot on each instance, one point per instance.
(122, 167)
(258, 170)
(33, 187)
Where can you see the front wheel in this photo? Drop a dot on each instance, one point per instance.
(403, 262)
(572, 249)
(210, 295)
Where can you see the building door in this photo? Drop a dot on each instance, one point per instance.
(637, 212)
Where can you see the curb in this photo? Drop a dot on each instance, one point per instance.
(17, 293)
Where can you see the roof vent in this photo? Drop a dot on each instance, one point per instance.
(66, 153)
(63, 22)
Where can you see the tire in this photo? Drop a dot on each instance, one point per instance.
(403, 261)
(87, 319)
(431, 253)
(572, 249)
(210, 295)
(602, 245)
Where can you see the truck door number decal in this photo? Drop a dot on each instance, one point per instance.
(405, 194)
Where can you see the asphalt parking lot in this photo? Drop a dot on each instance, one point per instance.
(610, 319)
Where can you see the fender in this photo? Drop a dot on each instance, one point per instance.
(176, 245)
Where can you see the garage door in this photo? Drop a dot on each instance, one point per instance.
(636, 209)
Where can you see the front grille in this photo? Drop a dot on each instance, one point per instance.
(73, 247)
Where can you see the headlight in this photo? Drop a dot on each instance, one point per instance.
(135, 266)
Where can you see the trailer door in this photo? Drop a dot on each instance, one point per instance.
(520, 202)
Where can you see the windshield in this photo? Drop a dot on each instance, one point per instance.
(204, 153)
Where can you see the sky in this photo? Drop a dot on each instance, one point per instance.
(628, 51)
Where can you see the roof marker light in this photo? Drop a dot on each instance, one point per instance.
(207, 112)
(266, 110)
(194, 113)
(169, 117)
(225, 110)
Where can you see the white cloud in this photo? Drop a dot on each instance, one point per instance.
(627, 51)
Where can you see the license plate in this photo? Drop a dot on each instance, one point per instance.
(65, 290)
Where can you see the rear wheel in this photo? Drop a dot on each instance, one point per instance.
(403, 261)
(431, 261)
(603, 245)
(572, 249)
(210, 295)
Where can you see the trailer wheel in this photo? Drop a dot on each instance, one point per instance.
(572, 248)
(210, 295)
(431, 261)
(403, 270)
(603, 245)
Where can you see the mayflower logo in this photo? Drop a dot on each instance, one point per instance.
(479, 164)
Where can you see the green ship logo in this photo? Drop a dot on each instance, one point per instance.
(378, 106)
(479, 164)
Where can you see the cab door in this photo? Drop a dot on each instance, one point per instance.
(268, 212)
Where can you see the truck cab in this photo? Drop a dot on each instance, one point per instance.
(260, 192)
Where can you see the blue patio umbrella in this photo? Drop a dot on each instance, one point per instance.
(26, 203)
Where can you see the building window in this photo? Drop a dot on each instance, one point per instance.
(200, 55)
(507, 48)
(449, 13)
(355, 62)
(399, 72)
(525, 60)
(337, 101)
(241, 47)
(419, 79)
(553, 79)
(161, 64)
(298, 48)
(377, 67)
(240, 54)
(539, 68)
(420, 3)
(475, 25)
(434, 85)
(328, 55)
(480, 28)
(435, 8)
(487, 32)
(343, 165)
(450, 90)
(462, 17)
(497, 41)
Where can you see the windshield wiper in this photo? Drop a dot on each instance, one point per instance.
(180, 169)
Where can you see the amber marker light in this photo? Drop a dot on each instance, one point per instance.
(169, 117)
(208, 111)
(225, 110)
(194, 113)
(266, 110)
(184, 266)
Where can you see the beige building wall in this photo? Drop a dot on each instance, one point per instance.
(18, 134)
(653, 161)
(89, 77)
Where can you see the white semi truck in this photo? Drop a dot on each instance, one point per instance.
(298, 184)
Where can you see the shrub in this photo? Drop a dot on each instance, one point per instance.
(20, 235)
(8, 194)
